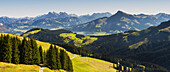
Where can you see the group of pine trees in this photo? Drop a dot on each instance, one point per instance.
(58, 59)
(13, 50)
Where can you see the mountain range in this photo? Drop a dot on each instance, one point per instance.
(119, 23)
(151, 45)
(52, 20)
(95, 24)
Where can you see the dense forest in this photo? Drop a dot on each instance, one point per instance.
(26, 51)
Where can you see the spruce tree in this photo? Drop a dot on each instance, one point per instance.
(30, 59)
(6, 49)
(66, 62)
(25, 52)
(70, 66)
(15, 51)
(1, 49)
(35, 52)
(41, 55)
(44, 59)
(57, 58)
(51, 58)
(63, 60)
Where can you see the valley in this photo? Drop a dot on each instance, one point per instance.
(135, 45)
(84, 36)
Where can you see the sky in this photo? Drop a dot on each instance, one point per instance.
(32, 8)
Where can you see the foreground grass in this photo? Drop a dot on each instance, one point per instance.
(9, 67)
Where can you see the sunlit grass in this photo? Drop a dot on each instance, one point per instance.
(77, 41)
(87, 64)
(9, 67)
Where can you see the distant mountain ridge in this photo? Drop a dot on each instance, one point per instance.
(88, 18)
(52, 20)
(102, 23)
(120, 22)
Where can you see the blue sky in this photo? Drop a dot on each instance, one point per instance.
(31, 8)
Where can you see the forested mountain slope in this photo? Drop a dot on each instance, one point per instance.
(148, 45)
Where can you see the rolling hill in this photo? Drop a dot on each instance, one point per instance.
(59, 36)
(80, 64)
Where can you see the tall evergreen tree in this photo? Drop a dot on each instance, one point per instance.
(51, 58)
(25, 52)
(30, 59)
(70, 66)
(1, 49)
(15, 51)
(6, 49)
(41, 55)
(35, 52)
(66, 62)
(57, 57)
(63, 60)
(44, 59)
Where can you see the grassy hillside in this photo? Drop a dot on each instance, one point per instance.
(87, 64)
(80, 64)
(59, 36)
(77, 41)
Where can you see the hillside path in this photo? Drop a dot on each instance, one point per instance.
(74, 56)
(41, 69)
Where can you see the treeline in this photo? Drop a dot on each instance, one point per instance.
(13, 50)
(75, 49)
(125, 64)
(85, 52)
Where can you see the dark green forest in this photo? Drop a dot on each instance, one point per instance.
(26, 51)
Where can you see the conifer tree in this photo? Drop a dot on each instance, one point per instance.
(41, 55)
(15, 51)
(66, 62)
(35, 52)
(57, 57)
(6, 49)
(44, 58)
(70, 66)
(51, 58)
(63, 60)
(30, 59)
(1, 50)
(25, 52)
